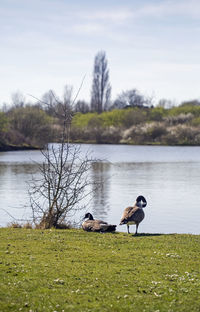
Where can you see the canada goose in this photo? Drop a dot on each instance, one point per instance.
(135, 214)
(96, 225)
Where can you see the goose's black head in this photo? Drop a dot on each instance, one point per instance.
(141, 201)
(88, 216)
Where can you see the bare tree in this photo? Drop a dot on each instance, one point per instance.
(50, 98)
(82, 107)
(166, 103)
(18, 99)
(63, 180)
(101, 89)
(131, 98)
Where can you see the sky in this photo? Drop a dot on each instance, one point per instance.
(150, 45)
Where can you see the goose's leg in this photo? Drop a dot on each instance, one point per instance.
(128, 229)
(136, 228)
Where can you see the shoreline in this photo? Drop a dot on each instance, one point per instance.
(10, 148)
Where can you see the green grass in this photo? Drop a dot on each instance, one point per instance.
(72, 270)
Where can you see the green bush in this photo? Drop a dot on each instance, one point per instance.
(107, 119)
(185, 109)
(4, 126)
(31, 122)
(81, 120)
(157, 114)
(134, 116)
(3, 122)
(113, 118)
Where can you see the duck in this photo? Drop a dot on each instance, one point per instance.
(92, 225)
(134, 214)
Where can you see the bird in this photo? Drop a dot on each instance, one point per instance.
(92, 225)
(134, 214)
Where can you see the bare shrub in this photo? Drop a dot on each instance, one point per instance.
(197, 139)
(182, 135)
(147, 133)
(170, 139)
(64, 178)
(27, 225)
(63, 182)
(14, 225)
(134, 134)
(15, 137)
(156, 132)
(111, 135)
(195, 122)
(186, 135)
(179, 119)
(95, 126)
(79, 135)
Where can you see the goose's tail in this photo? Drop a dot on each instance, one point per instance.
(123, 221)
(108, 228)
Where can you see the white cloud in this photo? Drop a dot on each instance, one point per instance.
(88, 28)
(180, 8)
(111, 15)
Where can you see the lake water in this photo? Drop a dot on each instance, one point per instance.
(168, 177)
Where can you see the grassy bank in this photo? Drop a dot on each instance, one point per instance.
(71, 270)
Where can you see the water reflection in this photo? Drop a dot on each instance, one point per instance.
(14, 191)
(170, 183)
(100, 174)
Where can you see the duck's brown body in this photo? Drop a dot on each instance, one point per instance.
(92, 225)
(134, 214)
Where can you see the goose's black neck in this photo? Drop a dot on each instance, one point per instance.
(89, 216)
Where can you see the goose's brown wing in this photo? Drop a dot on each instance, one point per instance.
(92, 225)
(100, 222)
(129, 214)
(98, 226)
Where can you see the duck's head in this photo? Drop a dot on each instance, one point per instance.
(141, 201)
(88, 216)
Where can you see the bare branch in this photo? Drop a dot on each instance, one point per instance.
(64, 179)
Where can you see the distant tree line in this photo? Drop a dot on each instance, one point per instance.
(25, 124)
(100, 120)
(100, 93)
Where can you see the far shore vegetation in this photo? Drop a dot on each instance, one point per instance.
(25, 125)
